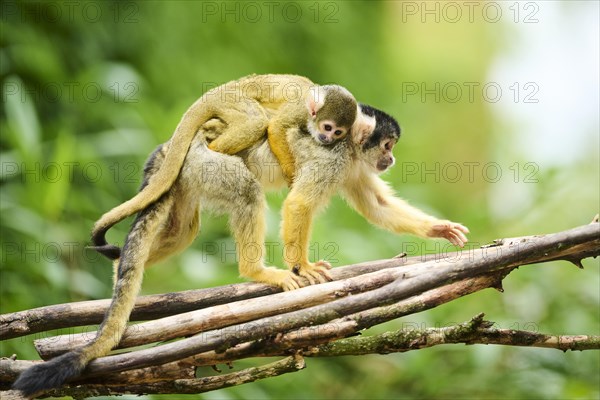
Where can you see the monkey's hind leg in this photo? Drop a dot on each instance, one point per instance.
(246, 124)
(181, 226)
(248, 227)
(240, 195)
(276, 135)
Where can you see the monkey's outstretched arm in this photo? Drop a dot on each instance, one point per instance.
(374, 199)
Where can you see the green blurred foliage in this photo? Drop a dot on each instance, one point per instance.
(90, 88)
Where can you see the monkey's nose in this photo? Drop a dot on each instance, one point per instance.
(324, 139)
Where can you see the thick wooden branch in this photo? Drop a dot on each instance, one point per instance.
(163, 305)
(221, 316)
(10, 368)
(309, 337)
(409, 281)
(249, 320)
(248, 310)
(475, 331)
(147, 307)
(157, 306)
(282, 344)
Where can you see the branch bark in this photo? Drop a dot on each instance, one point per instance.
(250, 320)
(409, 281)
(248, 310)
(225, 315)
(185, 386)
(151, 307)
(475, 331)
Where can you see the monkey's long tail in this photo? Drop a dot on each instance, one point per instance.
(160, 182)
(54, 373)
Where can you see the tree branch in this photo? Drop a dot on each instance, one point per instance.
(249, 320)
(411, 281)
(247, 310)
(151, 307)
(222, 316)
(475, 331)
(186, 386)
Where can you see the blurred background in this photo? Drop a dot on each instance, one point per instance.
(499, 107)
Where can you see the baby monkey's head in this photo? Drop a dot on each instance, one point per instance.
(332, 110)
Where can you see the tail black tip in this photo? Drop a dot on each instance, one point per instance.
(50, 374)
(101, 245)
(108, 250)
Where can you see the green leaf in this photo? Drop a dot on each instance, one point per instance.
(58, 185)
(23, 123)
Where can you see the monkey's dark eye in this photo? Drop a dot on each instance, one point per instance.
(327, 127)
(338, 133)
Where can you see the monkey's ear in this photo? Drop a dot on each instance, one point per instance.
(315, 99)
(363, 127)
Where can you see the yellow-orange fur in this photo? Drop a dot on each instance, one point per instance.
(233, 117)
(245, 105)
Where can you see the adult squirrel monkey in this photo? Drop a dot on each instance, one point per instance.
(171, 222)
(245, 108)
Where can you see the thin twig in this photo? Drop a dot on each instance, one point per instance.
(475, 331)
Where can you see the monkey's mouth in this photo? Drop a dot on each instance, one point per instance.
(383, 165)
(324, 141)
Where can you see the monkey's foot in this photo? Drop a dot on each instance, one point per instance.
(451, 231)
(314, 272)
(285, 279)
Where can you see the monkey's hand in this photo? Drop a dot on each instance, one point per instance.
(453, 232)
(314, 272)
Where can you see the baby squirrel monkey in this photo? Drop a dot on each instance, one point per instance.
(329, 116)
(246, 107)
(170, 223)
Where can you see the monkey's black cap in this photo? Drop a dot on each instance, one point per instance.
(386, 127)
